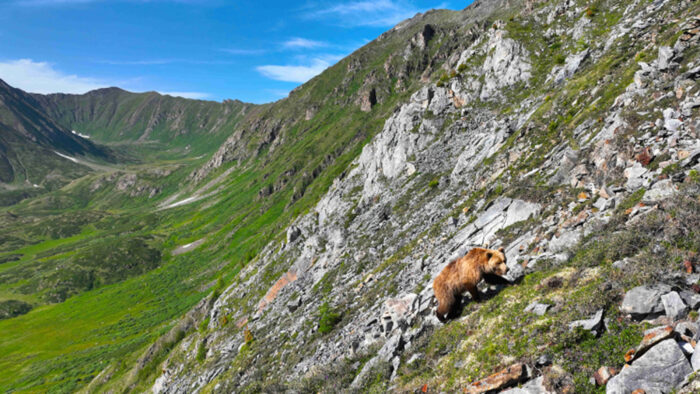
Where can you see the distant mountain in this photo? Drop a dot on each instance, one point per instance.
(30, 143)
(173, 125)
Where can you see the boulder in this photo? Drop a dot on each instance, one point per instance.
(537, 308)
(660, 191)
(674, 306)
(689, 329)
(644, 301)
(659, 370)
(603, 375)
(594, 324)
(520, 210)
(293, 305)
(534, 386)
(293, 232)
(666, 55)
(634, 176)
(695, 359)
(392, 347)
(400, 311)
(651, 337)
(508, 377)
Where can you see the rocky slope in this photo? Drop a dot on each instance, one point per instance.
(564, 131)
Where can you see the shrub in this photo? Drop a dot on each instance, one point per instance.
(434, 183)
(218, 289)
(204, 325)
(202, 351)
(328, 318)
(247, 336)
(461, 68)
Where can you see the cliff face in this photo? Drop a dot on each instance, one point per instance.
(564, 131)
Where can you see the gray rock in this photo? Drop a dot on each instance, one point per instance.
(392, 347)
(691, 299)
(537, 308)
(594, 324)
(534, 386)
(565, 240)
(659, 370)
(400, 311)
(362, 377)
(603, 204)
(674, 306)
(520, 210)
(671, 120)
(666, 55)
(634, 176)
(493, 212)
(695, 359)
(689, 329)
(293, 305)
(692, 159)
(661, 190)
(293, 232)
(644, 301)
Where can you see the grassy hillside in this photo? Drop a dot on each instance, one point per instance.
(162, 126)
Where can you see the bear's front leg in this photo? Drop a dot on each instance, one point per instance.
(474, 292)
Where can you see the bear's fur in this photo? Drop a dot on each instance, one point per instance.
(463, 274)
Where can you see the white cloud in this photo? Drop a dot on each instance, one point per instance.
(69, 2)
(240, 51)
(369, 13)
(189, 95)
(41, 77)
(298, 42)
(291, 73)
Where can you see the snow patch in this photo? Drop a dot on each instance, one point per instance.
(74, 160)
(87, 137)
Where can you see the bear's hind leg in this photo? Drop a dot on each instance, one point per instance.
(446, 301)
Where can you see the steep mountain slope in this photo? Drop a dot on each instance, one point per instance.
(206, 224)
(170, 126)
(565, 132)
(29, 140)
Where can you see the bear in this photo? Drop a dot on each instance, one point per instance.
(463, 274)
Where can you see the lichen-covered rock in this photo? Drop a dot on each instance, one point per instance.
(659, 370)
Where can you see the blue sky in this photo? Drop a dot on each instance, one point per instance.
(255, 51)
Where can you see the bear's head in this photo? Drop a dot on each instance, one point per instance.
(496, 261)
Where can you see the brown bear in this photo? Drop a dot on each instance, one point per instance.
(463, 274)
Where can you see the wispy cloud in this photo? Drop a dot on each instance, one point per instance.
(278, 93)
(69, 2)
(51, 2)
(243, 52)
(189, 95)
(157, 62)
(303, 43)
(295, 73)
(368, 13)
(41, 77)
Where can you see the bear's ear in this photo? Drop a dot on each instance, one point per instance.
(501, 249)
